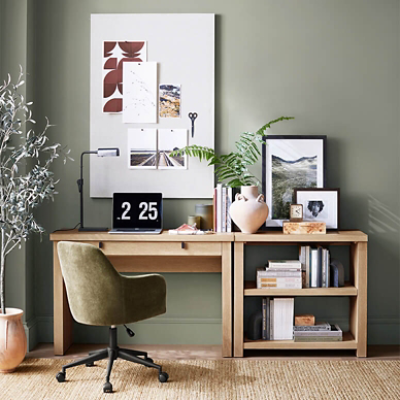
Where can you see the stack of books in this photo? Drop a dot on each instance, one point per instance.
(280, 275)
(223, 198)
(277, 322)
(315, 262)
(322, 332)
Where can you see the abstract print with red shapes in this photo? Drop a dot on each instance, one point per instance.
(114, 56)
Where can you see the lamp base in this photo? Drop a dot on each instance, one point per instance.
(93, 229)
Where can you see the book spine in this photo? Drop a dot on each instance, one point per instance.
(219, 207)
(307, 262)
(328, 269)
(224, 208)
(319, 266)
(266, 274)
(228, 215)
(323, 268)
(318, 333)
(318, 339)
(264, 319)
(314, 268)
(271, 319)
(215, 209)
(312, 328)
(285, 266)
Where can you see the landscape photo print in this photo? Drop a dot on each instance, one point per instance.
(290, 162)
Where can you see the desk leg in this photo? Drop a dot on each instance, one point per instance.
(63, 322)
(226, 300)
(238, 299)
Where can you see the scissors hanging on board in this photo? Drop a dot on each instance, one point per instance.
(193, 116)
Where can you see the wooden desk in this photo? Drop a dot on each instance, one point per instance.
(149, 253)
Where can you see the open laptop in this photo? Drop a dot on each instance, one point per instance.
(137, 213)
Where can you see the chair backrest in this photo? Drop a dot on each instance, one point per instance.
(93, 285)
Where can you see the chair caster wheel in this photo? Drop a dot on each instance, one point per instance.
(60, 377)
(107, 388)
(163, 377)
(90, 364)
(149, 360)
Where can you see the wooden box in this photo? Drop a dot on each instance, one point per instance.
(304, 319)
(305, 227)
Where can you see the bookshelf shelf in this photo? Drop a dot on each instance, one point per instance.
(348, 343)
(250, 289)
(356, 290)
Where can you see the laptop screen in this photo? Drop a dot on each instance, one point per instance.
(137, 210)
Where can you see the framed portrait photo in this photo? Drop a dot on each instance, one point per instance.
(290, 162)
(320, 205)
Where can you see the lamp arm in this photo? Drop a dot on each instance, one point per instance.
(80, 184)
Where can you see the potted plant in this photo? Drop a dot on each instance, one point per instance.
(249, 210)
(25, 182)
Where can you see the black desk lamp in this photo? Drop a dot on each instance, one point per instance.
(109, 152)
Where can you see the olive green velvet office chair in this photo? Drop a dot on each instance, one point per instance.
(98, 295)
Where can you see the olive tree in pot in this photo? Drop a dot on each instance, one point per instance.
(249, 210)
(25, 182)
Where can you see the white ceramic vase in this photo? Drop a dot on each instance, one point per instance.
(249, 211)
(12, 340)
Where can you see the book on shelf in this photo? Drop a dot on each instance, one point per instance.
(321, 326)
(284, 264)
(277, 322)
(278, 278)
(223, 197)
(315, 261)
(318, 339)
(333, 334)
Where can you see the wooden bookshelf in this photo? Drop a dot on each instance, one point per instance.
(356, 290)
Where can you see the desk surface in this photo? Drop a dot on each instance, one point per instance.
(133, 237)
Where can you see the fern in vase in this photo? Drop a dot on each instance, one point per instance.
(233, 167)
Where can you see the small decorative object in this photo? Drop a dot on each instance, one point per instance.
(105, 152)
(290, 162)
(249, 211)
(233, 167)
(304, 228)
(254, 327)
(205, 212)
(25, 183)
(337, 273)
(304, 320)
(192, 117)
(296, 212)
(186, 229)
(320, 205)
(194, 220)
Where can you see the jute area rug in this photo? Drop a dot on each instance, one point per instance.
(208, 379)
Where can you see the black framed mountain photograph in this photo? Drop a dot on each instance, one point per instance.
(290, 161)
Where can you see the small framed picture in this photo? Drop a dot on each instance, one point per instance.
(320, 205)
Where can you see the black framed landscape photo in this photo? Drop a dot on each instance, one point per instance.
(321, 205)
(289, 162)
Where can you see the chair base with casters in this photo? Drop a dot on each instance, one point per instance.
(112, 353)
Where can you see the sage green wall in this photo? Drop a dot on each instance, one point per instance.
(333, 64)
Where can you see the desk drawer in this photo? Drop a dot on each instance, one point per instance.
(161, 248)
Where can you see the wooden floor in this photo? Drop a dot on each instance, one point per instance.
(191, 352)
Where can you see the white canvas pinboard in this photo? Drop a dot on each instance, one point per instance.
(182, 45)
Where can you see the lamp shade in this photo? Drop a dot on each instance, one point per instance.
(108, 152)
